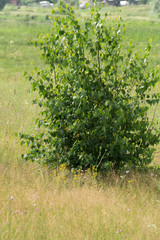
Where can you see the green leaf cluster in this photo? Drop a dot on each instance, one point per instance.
(94, 96)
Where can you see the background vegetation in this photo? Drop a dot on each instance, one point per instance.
(38, 204)
(76, 2)
(3, 3)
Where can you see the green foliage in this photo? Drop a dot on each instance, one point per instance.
(94, 96)
(3, 3)
(28, 2)
(116, 3)
(144, 1)
(156, 5)
(138, 2)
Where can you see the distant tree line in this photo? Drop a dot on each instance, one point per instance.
(139, 1)
(156, 3)
(74, 2)
(26, 2)
(21, 2)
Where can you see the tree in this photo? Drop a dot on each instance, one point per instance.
(3, 3)
(95, 97)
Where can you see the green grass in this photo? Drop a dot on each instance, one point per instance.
(25, 14)
(66, 208)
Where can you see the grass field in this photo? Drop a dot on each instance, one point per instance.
(39, 205)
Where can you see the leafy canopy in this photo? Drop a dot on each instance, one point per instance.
(94, 96)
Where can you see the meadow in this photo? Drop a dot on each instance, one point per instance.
(38, 204)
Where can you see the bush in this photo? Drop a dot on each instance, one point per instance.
(94, 97)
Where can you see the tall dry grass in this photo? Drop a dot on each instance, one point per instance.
(38, 204)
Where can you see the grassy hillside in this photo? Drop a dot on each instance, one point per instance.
(38, 204)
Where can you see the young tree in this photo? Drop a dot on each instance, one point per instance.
(95, 97)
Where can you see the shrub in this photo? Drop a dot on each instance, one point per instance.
(94, 96)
